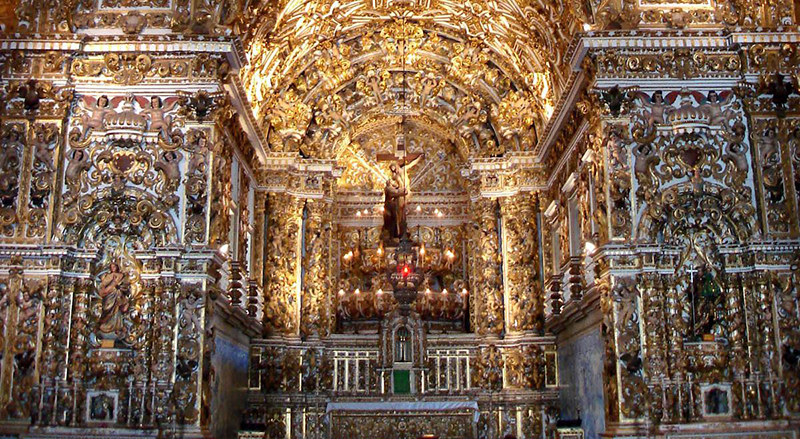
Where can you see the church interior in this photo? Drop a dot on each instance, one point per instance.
(400, 219)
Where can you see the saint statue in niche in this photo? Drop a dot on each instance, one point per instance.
(396, 195)
(113, 292)
(706, 303)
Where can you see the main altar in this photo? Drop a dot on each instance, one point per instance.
(404, 420)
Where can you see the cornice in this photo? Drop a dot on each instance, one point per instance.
(585, 43)
(562, 161)
(251, 127)
(169, 43)
(561, 113)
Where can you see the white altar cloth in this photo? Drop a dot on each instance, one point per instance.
(401, 406)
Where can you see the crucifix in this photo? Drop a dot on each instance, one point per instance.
(396, 189)
(693, 293)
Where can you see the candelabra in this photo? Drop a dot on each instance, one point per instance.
(404, 278)
(414, 270)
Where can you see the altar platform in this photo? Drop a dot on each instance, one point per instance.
(403, 419)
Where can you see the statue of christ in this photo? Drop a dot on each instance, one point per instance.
(396, 193)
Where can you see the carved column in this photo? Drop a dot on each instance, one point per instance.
(552, 251)
(53, 362)
(619, 184)
(166, 293)
(21, 317)
(190, 358)
(626, 314)
(198, 144)
(525, 305)
(489, 292)
(281, 307)
(221, 202)
(315, 314)
(255, 304)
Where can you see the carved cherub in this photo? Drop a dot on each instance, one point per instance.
(190, 315)
(470, 115)
(197, 145)
(78, 163)
(768, 144)
(736, 153)
(169, 164)
(94, 114)
(159, 120)
(645, 159)
(44, 143)
(713, 107)
(657, 109)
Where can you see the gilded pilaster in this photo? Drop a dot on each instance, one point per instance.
(281, 304)
(489, 292)
(525, 306)
(315, 313)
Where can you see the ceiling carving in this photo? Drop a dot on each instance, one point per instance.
(479, 78)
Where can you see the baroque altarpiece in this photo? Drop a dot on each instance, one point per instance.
(397, 218)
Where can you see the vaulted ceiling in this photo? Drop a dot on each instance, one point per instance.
(479, 77)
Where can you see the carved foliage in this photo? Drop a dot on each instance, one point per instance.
(488, 369)
(20, 307)
(280, 309)
(526, 304)
(315, 315)
(487, 269)
(626, 325)
(525, 367)
(13, 138)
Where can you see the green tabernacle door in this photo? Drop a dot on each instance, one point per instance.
(402, 381)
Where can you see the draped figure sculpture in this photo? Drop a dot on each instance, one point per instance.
(113, 293)
(396, 196)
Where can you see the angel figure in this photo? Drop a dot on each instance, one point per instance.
(190, 313)
(169, 163)
(713, 107)
(199, 143)
(657, 110)
(159, 120)
(94, 114)
(78, 163)
(44, 143)
(768, 143)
